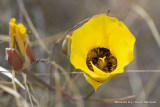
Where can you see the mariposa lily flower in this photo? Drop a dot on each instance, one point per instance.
(19, 54)
(102, 47)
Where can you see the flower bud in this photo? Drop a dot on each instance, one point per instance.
(66, 45)
(19, 54)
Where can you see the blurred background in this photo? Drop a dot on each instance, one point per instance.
(50, 20)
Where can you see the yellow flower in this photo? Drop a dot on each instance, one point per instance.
(19, 53)
(101, 48)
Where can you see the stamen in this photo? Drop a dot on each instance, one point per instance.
(102, 59)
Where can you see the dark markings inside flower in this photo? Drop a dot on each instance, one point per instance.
(102, 59)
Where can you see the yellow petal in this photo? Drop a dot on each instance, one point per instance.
(98, 71)
(97, 83)
(99, 75)
(121, 44)
(90, 35)
(21, 38)
(12, 32)
(103, 77)
(94, 83)
(85, 38)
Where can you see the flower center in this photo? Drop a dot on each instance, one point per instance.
(102, 59)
